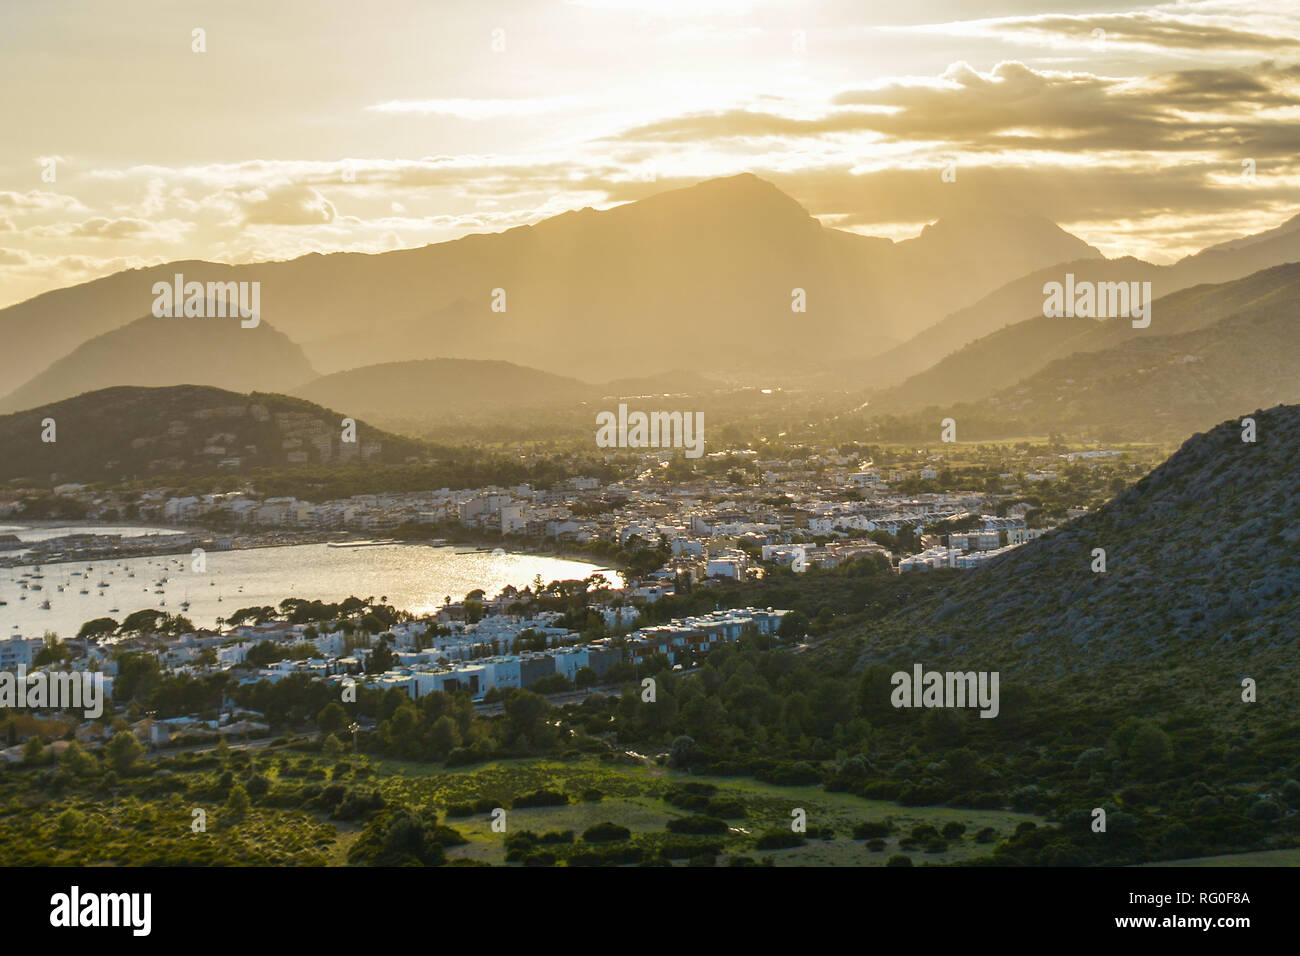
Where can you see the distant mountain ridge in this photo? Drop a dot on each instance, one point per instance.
(684, 279)
(171, 351)
(1170, 385)
(1017, 353)
(1022, 298)
(443, 385)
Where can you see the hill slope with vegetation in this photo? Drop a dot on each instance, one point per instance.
(115, 434)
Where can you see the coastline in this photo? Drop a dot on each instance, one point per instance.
(266, 538)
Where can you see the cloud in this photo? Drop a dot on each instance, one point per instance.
(38, 201)
(14, 257)
(101, 227)
(291, 204)
(1014, 106)
(1147, 30)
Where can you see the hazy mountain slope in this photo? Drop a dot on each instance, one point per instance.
(448, 331)
(971, 249)
(686, 279)
(668, 383)
(1282, 232)
(1240, 256)
(1022, 298)
(445, 386)
(1165, 386)
(1202, 567)
(999, 360)
(1014, 302)
(165, 351)
(127, 432)
(987, 364)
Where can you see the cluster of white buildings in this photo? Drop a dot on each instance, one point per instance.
(683, 639)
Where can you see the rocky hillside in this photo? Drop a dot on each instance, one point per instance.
(1202, 578)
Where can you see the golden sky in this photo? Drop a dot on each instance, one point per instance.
(332, 125)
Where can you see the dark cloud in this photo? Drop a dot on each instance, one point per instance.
(1016, 107)
(1163, 31)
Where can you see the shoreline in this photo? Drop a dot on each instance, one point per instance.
(287, 538)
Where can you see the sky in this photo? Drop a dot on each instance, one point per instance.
(235, 131)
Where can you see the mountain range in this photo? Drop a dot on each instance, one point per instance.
(1022, 298)
(687, 279)
(699, 280)
(1210, 351)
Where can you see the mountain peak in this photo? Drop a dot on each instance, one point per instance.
(741, 195)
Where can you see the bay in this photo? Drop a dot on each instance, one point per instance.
(414, 577)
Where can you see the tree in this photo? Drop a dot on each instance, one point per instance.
(77, 761)
(142, 622)
(54, 652)
(684, 752)
(525, 712)
(237, 802)
(138, 676)
(1150, 746)
(793, 626)
(332, 718)
(123, 751)
(444, 737)
(381, 658)
(96, 628)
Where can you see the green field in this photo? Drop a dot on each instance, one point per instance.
(633, 798)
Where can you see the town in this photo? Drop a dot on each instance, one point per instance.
(481, 647)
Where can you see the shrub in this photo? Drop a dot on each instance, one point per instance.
(1266, 810)
(358, 804)
(698, 825)
(779, 839)
(605, 833)
(540, 798)
(729, 809)
(869, 829)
